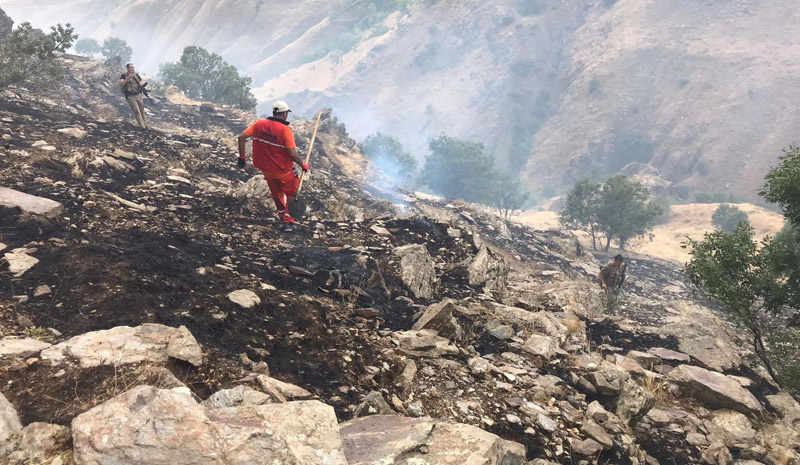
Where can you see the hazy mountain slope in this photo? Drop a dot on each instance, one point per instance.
(703, 90)
(713, 85)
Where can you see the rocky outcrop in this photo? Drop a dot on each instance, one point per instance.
(167, 427)
(124, 344)
(417, 270)
(398, 440)
(714, 389)
(30, 204)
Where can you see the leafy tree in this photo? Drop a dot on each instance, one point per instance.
(782, 184)
(202, 75)
(580, 211)
(87, 47)
(759, 284)
(115, 47)
(458, 169)
(508, 194)
(727, 217)
(388, 154)
(625, 210)
(28, 56)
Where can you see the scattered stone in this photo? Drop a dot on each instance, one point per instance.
(76, 133)
(20, 262)
(403, 382)
(42, 290)
(596, 432)
(785, 406)
(244, 298)
(730, 427)
(282, 392)
(380, 230)
(395, 440)
(119, 153)
(714, 389)
(546, 423)
(540, 346)
(502, 332)
(646, 360)
(368, 313)
(299, 271)
(180, 179)
(588, 447)
(439, 317)
(373, 404)
(479, 366)
(417, 270)
(37, 443)
(415, 410)
(487, 269)
(237, 397)
(14, 347)
(634, 402)
(167, 427)
(124, 345)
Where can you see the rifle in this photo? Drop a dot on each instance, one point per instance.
(146, 93)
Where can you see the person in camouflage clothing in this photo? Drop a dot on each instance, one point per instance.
(612, 276)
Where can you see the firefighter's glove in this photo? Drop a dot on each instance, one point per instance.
(240, 163)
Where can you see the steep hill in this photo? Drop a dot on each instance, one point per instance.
(702, 91)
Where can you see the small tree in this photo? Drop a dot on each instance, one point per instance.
(580, 211)
(625, 210)
(87, 47)
(727, 217)
(202, 75)
(389, 156)
(28, 56)
(508, 194)
(459, 169)
(115, 47)
(782, 184)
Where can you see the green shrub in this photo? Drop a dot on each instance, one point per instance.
(115, 47)
(28, 56)
(727, 217)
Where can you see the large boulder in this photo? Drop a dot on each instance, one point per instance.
(714, 389)
(488, 269)
(167, 427)
(30, 204)
(9, 420)
(439, 317)
(124, 344)
(390, 440)
(417, 270)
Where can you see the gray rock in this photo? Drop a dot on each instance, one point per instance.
(609, 380)
(479, 366)
(236, 397)
(19, 262)
(30, 204)
(280, 391)
(439, 317)
(546, 423)
(587, 447)
(373, 404)
(730, 427)
(596, 432)
(395, 440)
(167, 427)
(404, 380)
(9, 421)
(667, 355)
(417, 270)
(488, 269)
(244, 298)
(13, 347)
(415, 410)
(540, 346)
(502, 332)
(124, 345)
(36, 443)
(634, 402)
(714, 389)
(647, 360)
(785, 406)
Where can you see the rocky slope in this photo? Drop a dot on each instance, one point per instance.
(702, 92)
(153, 312)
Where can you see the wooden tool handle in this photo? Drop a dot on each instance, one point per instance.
(310, 148)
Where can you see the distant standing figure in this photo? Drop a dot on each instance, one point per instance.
(612, 276)
(132, 87)
(275, 154)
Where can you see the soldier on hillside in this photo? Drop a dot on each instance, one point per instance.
(275, 154)
(612, 276)
(132, 87)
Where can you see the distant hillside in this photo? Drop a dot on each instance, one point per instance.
(703, 92)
